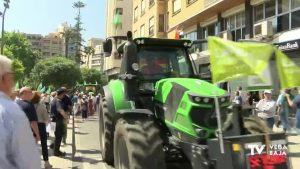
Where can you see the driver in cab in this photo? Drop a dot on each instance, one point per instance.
(151, 66)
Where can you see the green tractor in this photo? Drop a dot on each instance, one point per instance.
(158, 114)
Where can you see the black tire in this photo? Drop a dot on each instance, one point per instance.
(137, 145)
(106, 133)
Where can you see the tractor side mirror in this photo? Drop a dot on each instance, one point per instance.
(204, 72)
(107, 47)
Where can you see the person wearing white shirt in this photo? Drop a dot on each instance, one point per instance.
(266, 108)
(17, 145)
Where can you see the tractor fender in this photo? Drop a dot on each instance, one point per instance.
(135, 111)
(109, 99)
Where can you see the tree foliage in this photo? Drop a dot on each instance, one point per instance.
(90, 75)
(17, 47)
(18, 69)
(57, 72)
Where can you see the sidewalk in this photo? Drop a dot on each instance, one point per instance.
(62, 162)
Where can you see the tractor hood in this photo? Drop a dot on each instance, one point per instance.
(180, 86)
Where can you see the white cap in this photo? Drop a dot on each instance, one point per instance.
(268, 91)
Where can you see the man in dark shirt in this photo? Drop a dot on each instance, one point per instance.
(60, 116)
(67, 106)
(26, 105)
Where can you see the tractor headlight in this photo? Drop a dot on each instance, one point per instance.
(206, 100)
(200, 99)
(197, 99)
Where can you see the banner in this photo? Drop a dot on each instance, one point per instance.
(231, 60)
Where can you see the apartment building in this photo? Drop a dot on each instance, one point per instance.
(95, 60)
(235, 19)
(52, 45)
(35, 41)
(123, 10)
(273, 21)
(149, 18)
(49, 45)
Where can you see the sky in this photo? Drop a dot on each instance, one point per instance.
(44, 16)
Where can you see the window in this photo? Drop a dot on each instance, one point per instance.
(236, 24)
(168, 61)
(270, 9)
(136, 14)
(161, 23)
(189, 2)
(283, 23)
(151, 3)
(143, 7)
(295, 4)
(258, 12)
(283, 6)
(284, 14)
(119, 11)
(142, 33)
(191, 36)
(176, 6)
(151, 26)
(296, 19)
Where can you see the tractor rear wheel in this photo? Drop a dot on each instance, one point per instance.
(137, 145)
(106, 133)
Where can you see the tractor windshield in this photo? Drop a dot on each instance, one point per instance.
(164, 62)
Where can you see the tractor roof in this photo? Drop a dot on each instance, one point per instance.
(164, 42)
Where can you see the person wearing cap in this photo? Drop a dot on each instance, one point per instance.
(60, 116)
(18, 148)
(266, 108)
(295, 103)
(25, 103)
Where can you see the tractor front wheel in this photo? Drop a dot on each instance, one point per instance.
(137, 144)
(106, 133)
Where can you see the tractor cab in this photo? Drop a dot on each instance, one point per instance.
(160, 59)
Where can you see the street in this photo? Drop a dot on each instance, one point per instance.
(87, 154)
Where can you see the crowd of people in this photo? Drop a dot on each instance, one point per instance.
(268, 108)
(25, 115)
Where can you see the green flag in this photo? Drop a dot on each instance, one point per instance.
(40, 87)
(117, 19)
(17, 86)
(288, 71)
(49, 90)
(43, 90)
(231, 60)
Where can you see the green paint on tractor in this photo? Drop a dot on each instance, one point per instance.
(118, 94)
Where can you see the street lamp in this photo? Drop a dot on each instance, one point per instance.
(6, 6)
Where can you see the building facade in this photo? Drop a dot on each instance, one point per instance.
(149, 18)
(95, 60)
(198, 19)
(123, 10)
(49, 45)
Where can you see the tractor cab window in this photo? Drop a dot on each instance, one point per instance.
(163, 62)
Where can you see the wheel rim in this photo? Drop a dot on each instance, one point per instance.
(122, 160)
